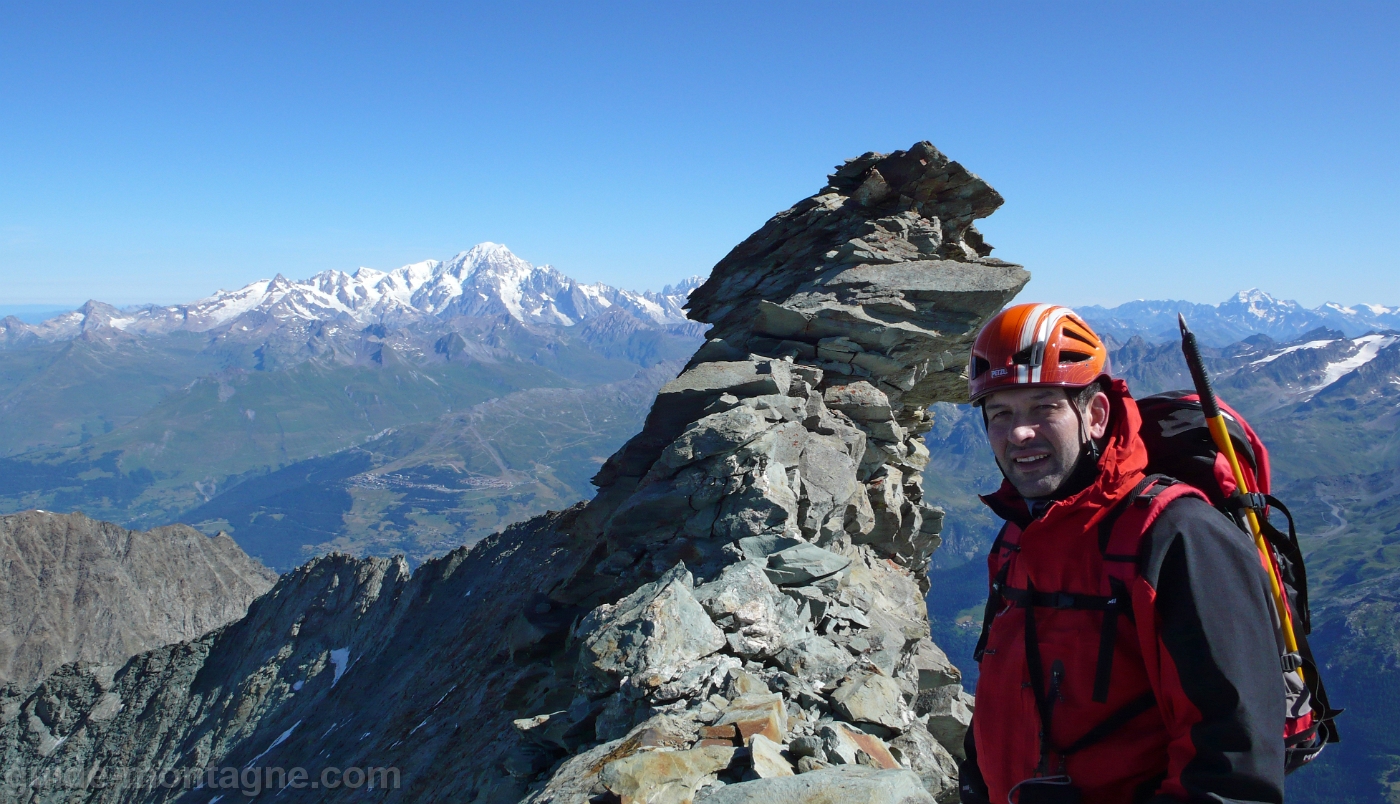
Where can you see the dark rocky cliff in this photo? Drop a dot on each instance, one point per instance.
(75, 589)
(736, 616)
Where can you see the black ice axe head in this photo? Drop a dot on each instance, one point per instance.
(1192, 352)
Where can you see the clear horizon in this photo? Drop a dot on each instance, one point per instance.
(156, 153)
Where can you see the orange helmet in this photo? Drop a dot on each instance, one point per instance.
(1035, 345)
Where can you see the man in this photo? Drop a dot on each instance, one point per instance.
(1150, 674)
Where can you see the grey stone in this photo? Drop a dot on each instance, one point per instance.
(848, 614)
(742, 682)
(881, 645)
(765, 545)
(619, 713)
(712, 435)
(577, 778)
(845, 744)
(767, 758)
(742, 378)
(845, 785)
(871, 698)
(807, 746)
(828, 479)
(722, 403)
(699, 680)
(775, 407)
(653, 634)
(761, 503)
(781, 445)
(937, 768)
(949, 716)
(887, 431)
(917, 456)
(813, 598)
(564, 730)
(665, 777)
(804, 563)
(860, 400)
(654, 513)
(815, 659)
(931, 667)
(761, 618)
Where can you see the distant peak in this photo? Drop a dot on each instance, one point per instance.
(486, 251)
(1252, 295)
(685, 286)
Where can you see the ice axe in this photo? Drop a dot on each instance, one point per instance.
(1253, 509)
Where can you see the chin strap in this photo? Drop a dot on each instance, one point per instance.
(1088, 447)
(1086, 467)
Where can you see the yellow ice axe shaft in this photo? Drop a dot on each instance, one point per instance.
(1215, 420)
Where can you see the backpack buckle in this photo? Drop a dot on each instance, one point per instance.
(1251, 499)
(1156, 485)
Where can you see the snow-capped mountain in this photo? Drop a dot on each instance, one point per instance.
(1322, 367)
(1247, 313)
(1324, 362)
(485, 281)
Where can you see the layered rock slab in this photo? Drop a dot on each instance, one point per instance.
(751, 570)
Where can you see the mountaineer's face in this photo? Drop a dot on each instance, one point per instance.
(1034, 435)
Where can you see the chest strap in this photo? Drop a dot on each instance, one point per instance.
(1025, 598)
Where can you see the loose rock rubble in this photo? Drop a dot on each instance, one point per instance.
(736, 617)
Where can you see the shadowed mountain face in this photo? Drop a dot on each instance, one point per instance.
(75, 589)
(745, 588)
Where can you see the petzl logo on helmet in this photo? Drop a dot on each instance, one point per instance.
(999, 372)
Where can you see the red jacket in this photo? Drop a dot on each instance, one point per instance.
(1189, 663)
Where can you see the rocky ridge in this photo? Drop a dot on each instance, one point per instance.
(75, 589)
(737, 615)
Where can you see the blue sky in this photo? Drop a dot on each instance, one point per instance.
(158, 152)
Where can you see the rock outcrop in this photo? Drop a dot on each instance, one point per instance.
(737, 616)
(75, 589)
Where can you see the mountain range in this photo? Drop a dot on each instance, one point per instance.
(486, 280)
(1247, 313)
(403, 411)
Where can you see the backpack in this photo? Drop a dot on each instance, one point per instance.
(1179, 446)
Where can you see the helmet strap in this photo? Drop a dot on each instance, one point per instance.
(1086, 466)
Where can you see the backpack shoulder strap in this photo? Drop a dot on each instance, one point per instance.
(1120, 536)
(1121, 532)
(995, 601)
